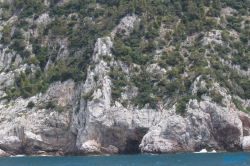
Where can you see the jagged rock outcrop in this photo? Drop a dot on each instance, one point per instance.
(3, 154)
(246, 143)
(83, 118)
(31, 130)
(96, 127)
(206, 126)
(126, 25)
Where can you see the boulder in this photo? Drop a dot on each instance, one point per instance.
(3, 153)
(110, 150)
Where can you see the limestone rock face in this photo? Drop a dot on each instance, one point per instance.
(209, 126)
(110, 150)
(246, 130)
(5, 58)
(25, 130)
(245, 119)
(3, 154)
(246, 143)
(85, 119)
(43, 19)
(126, 24)
(96, 126)
(91, 147)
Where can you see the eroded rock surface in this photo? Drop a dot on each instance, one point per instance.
(208, 126)
(25, 130)
(3, 154)
(88, 121)
(98, 127)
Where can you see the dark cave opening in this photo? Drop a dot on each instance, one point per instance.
(133, 143)
(132, 147)
(126, 140)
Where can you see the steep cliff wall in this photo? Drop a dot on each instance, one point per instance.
(102, 108)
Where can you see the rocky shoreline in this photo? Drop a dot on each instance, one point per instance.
(60, 153)
(208, 126)
(88, 121)
(104, 126)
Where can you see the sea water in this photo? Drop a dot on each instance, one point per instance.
(189, 159)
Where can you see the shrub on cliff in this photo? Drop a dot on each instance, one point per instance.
(31, 104)
(181, 104)
(51, 105)
(217, 97)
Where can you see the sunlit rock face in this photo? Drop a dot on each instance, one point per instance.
(82, 118)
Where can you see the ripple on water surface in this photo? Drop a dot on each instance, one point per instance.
(191, 159)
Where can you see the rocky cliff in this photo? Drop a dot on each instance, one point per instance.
(97, 114)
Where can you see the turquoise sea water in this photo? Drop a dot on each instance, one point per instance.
(192, 159)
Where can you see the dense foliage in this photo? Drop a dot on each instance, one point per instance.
(165, 26)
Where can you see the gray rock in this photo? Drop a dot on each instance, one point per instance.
(126, 24)
(43, 18)
(110, 150)
(3, 153)
(246, 143)
(208, 126)
(28, 131)
(102, 125)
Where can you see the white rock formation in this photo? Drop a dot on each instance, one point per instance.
(207, 126)
(126, 24)
(100, 125)
(26, 129)
(3, 154)
(43, 19)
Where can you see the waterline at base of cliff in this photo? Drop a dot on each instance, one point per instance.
(194, 159)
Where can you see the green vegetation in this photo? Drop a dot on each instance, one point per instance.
(239, 106)
(181, 104)
(30, 7)
(119, 81)
(6, 37)
(144, 83)
(201, 91)
(217, 97)
(164, 29)
(89, 95)
(31, 104)
(50, 105)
